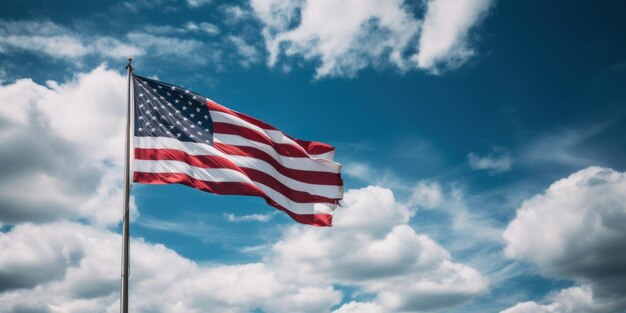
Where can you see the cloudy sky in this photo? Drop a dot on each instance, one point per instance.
(482, 142)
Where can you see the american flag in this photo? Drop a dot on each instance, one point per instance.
(181, 137)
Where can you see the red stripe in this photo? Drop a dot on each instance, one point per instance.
(216, 107)
(313, 177)
(281, 148)
(206, 161)
(228, 188)
(311, 147)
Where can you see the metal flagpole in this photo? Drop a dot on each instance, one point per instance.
(125, 225)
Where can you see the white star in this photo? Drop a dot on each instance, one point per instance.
(199, 133)
(177, 135)
(184, 119)
(199, 122)
(176, 100)
(170, 114)
(206, 130)
(206, 117)
(141, 94)
(168, 94)
(197, 109)
(141, 105)
(154, 129)
(159, 87)
(141, 117)
(190, 136)
(193, 126)
(191, 115)
(184, 108)
(154, 117)
(173, 88)
(153, 89)
(194, 97)
(177, 111)
(139, 129)
(186, 91)
(171, 126)
(185, 129)
(148, 101)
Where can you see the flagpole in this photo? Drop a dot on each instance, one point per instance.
(125, 223)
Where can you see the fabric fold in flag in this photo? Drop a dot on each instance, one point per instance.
(181, 137)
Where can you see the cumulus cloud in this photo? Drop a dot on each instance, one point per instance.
(570, 300)
(60, 148)
(574, 230)
(77, 269)
(347, 36)
(407, 271)
(443, 40)
(496, 162)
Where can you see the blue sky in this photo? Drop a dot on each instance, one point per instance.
(483, 140)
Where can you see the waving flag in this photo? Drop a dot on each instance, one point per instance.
(181, 137)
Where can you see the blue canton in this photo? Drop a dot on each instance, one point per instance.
(163, 110)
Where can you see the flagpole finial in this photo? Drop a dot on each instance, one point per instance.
(129, 65)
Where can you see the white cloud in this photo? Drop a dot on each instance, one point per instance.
(574, 230)
(263, 218)
(347, 36)
(198, 3)
(59, 42)
(570, 300)
(248, 54)
(189, 27)
(426, 195)
(56, 41)
(62, 148)
(497, 162)
(408, 272)
(359, 307)
(68, 267)
(77, 269)
(443, 41)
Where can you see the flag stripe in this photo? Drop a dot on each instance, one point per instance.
(253, 172)
(244, 155)
(228, 175)
(320, 165)
(284, 149)
(225, 115)
(237, 145)
(229, 188)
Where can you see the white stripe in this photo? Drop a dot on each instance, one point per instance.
(320, 165)
(274, 135)
(305, 164)
(329, 191)
(228, 175)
